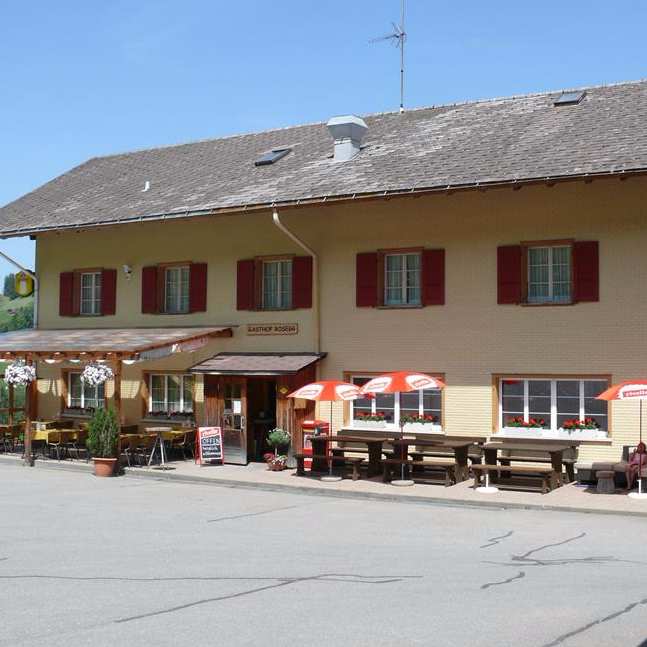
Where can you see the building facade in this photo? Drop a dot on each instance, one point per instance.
(525, 296)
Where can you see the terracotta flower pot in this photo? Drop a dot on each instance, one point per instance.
(104, 466)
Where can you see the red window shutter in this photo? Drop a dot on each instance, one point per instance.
(366, 280)
(509, 274)
(586, 272)
(66, 295)
(149, 290)
(198, 287)
(108, 292)
(245, 286)
(302, 282)
(433, 277)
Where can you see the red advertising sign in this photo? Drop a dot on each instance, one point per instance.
(209, 446)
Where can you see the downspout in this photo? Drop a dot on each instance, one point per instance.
(33, 276)
(315, 275)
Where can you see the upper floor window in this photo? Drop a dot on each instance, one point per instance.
(176, 289)
(549, 274)
(84, 395)
(90, 283)
(277, 284)
(552, 404)
(170, 394)
(402, 279)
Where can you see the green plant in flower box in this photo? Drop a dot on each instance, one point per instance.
(278, 438)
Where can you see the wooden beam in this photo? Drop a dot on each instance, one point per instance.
(117, 393)
(28, 457)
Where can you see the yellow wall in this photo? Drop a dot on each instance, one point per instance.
(469, 339)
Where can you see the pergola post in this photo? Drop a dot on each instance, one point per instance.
(117, 391)
(29, 395)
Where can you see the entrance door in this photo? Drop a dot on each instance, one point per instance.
(234, 420)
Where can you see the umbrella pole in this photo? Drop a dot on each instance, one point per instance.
(330, 443)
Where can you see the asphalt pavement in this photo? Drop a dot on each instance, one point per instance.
(87, 561)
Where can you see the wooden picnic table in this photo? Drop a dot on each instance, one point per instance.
(374, 445)
(460, 447)
(554, 450)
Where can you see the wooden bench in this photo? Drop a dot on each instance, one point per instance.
(448, 468)
(568, 463)
(545, 472)
(352, 462)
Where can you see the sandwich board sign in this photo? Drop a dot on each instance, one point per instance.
(210, 451)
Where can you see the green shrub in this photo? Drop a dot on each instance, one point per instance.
(278, 438)
(103, 434)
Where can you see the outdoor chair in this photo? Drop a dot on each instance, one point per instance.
(144, 449)
(76, 448)
(126, 450)
(54, 445)
(184, 444)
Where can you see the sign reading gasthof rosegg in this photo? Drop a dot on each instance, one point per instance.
(273, 329)
(210, 451)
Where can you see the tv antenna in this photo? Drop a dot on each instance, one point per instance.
(397, 37)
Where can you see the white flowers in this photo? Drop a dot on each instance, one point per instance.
(19, 374)
(95, 374)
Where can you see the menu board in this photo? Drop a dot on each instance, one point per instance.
(210, 446)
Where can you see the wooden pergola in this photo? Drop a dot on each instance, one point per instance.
(112, 345)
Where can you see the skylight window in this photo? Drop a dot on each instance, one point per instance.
(272, 156)
(569, 98)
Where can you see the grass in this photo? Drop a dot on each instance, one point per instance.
(9, 306)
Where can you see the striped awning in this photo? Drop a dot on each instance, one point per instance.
(256, 363)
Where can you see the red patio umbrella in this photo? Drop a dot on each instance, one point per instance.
(327, 391)
(402, 382)
(630, 390)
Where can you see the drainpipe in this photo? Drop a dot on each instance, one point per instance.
(33, 276)
(315, 275)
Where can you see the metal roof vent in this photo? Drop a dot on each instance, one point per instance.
(348, 132)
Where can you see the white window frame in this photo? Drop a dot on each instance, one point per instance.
(404, 301)
(279, 294)
(183, 377)
(553, 399)
(173, 303)
(95, 301)
(435, 426)
(101, 401)
(551, 297)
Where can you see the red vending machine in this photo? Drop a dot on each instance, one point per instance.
(310, 427)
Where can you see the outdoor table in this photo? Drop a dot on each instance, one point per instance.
(159, 442)
(319, 448)
(459, 447)
(554, 450)
(374, 446)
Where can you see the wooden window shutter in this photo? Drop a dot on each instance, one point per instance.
(198, 287)
(108, 292)
(433, 277)
(245, 285)
(66, 299)
(509, 274)
(150, 303)
(302, 282)
(586, 272)
(366, 280)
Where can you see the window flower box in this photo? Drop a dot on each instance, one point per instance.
(422, 428)
(363, 423)
(78, 412)
(524, 432)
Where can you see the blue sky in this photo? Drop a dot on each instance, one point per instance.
(85, 78)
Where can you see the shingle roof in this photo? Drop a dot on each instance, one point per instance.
(484, 142)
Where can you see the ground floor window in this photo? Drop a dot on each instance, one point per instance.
(552, 404)
(83, 396)
(170, 394)
(395, 408)
(12, 403)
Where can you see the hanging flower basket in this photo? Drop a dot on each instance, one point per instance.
(95, 374)
(19, 374)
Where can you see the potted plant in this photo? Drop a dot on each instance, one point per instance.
(103, 438)
(588, 428)
(278, 438)
(370, 420)
(276, 462)
(425, 424)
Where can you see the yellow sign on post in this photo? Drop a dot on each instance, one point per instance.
(24, 284)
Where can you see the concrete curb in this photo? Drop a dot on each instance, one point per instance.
(304, 489)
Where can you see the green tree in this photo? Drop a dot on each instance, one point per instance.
(10, 286)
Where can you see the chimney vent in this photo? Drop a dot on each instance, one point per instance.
(348, 132)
